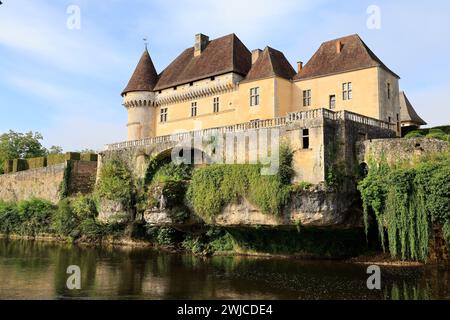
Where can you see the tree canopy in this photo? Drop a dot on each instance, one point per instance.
(16, 145)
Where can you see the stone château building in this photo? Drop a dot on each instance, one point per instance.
(219, 82)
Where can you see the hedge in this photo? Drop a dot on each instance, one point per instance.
(89, 157)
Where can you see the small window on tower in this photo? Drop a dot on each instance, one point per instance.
(216, 104)
(163, 115)
(389, 90)
(305, 136)
(193, 109)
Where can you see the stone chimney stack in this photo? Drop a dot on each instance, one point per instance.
(255, 55)
(299, 66)
(338, 47)
(201, 42)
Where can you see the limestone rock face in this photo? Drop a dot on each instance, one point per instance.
(113, 211)
(309, 209)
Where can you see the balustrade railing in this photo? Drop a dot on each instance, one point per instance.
(291, 117)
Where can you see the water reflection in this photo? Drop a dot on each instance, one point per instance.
(37, 270)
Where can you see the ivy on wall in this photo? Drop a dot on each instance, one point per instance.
(406, 201)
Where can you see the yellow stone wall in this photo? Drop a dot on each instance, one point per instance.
(278, 97)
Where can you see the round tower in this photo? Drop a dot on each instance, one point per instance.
(139, 99)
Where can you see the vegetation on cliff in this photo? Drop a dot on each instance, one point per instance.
(214, 186)
(407, 201)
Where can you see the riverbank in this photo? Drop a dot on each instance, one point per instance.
(373, 258)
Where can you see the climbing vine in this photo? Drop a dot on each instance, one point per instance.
(406, 201)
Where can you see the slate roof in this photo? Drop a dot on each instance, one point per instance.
(144, 77)
(407, 112)
(222, 55)
(355, 55)
(270, 63)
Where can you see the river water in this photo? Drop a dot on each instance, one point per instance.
(38, 270)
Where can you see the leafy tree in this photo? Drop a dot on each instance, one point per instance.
(16, 145)
(55, 150)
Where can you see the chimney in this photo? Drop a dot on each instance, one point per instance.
(201, 41)
(255, 55)
(299, 66)
(338, 46)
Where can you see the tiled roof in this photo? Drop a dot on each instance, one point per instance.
(354, 55)
(144, 77)
(270, 63)
(407, 112)
(222, 55)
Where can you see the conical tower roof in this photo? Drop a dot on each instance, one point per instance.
(144, 77)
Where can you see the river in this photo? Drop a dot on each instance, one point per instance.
(38, 270)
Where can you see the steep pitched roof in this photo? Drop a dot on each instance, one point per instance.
(144, 77)
(270, 63)
(355, 55)
(407, 112)
(222, 55)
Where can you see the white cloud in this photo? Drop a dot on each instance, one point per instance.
(40, 31)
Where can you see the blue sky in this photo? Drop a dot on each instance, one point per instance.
(66, 83)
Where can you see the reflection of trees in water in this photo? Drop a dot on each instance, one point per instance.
(407, 291)
(431, 282)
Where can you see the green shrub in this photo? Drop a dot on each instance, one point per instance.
(115, 182)
(9, 218)
(28, 218)
(85, 207)
(65, 222)
(414, 134)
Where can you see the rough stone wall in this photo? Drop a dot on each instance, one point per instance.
(82, 178)
(342, 146)
(40, 183)
(399, 150)
(44, 183)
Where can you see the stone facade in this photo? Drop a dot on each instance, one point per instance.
(45, 183)
(399, 150)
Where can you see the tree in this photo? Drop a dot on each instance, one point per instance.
(16, 145)
(54, 150)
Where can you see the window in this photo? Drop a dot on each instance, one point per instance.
(332, 101)
(193, 109)
(347, 91)
(306, 98)
(191, 84)
(213, 78)
(163, 115)
(389, 90)
(389, 119)
(216, 104)
(175, 88)
(254, 96)
(305, 136)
